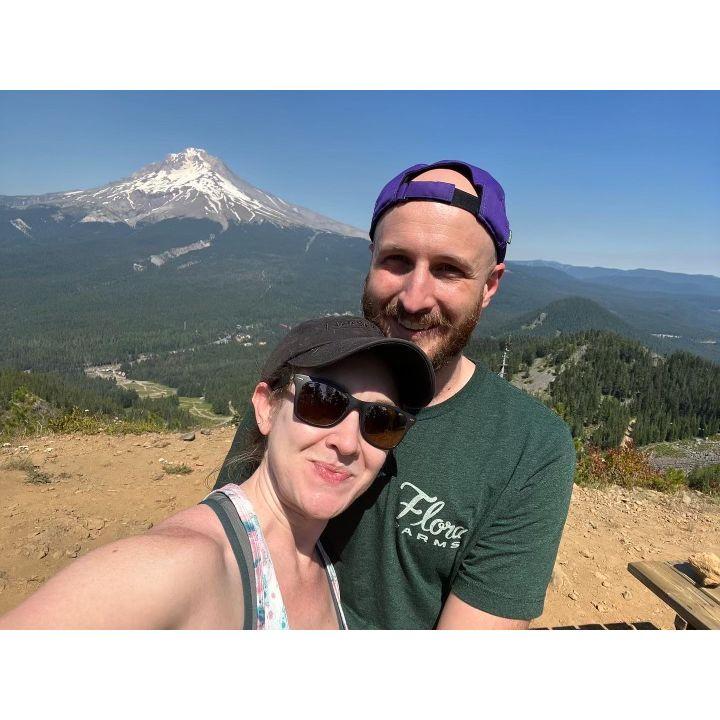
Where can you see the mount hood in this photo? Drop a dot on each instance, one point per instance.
(188, 184)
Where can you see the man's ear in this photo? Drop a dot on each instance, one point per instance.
(372, 248)
(492, 284)
(262, 402)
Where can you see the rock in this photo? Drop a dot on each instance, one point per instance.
(586, 554)
(606, 584)
(42, 551)
(558, 578)
(161, 444)
(73, 551)
(206, 431)
(56, 555)
(199, 464)
(599, 607)
(627, 595)
(7, 445)
(708, 566)
(686, 499)
(188, 436)
(573, 595)
(146, 525)
(95, 523)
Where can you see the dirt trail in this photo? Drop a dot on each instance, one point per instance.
(103, 488)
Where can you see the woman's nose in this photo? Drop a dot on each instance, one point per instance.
(345, 436)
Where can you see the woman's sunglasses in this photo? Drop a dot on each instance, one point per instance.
(321, 404)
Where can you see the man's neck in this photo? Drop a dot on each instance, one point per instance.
(452, 378)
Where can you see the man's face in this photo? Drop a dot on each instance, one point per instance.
(432, 273)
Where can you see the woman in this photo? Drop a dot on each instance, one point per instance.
(249, 557)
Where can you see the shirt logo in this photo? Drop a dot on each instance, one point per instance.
(424, 507)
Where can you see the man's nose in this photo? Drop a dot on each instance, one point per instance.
(417, 295)
(345, 436)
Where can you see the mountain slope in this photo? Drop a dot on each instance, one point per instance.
(638, 281)
(569, 315)
(188, 184)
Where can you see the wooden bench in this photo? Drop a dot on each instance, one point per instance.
(678, 584)
(640, 625)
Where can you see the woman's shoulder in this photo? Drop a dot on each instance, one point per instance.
(196, 526)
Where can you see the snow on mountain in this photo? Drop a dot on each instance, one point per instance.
(191, 183)
(21, 225)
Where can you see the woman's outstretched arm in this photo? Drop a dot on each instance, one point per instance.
(173, 576)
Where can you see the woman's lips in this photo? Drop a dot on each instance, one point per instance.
(329, 473)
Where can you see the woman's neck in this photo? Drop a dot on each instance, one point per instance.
(284, 529)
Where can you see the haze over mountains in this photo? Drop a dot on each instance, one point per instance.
(184, 251)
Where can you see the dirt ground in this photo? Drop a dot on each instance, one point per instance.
(90, 490)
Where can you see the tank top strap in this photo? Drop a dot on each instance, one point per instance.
(334, 587)
(271, 612)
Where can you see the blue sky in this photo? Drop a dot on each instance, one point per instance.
(620, 179)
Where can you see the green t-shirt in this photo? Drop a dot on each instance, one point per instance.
(472, 501)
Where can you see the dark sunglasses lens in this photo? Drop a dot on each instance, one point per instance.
(319, 404)
(384, 426)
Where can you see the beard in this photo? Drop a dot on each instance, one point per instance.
(446, 339)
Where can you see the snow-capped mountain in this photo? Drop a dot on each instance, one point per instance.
(191, 183)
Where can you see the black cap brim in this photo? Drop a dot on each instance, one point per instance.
(412, 370)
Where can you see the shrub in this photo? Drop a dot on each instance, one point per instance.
(670, 481)
(78, 421)
(706, 479)
(36, 477)
(25, 414)
(23, 464)
(180, 469)
(627, 467)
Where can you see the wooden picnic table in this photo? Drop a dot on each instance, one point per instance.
(678, 584)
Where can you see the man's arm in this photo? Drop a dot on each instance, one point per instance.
(458, 615)
(503, 578)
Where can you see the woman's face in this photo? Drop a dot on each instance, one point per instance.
(318, 472)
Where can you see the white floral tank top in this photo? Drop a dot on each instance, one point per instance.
(271, 613)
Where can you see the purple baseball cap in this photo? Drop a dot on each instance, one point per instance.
(488, 207)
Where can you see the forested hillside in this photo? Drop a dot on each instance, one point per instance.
(618, 381)
(39, 402)
(74, 294)
(605, 384)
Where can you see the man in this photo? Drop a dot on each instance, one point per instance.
(461, 528)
